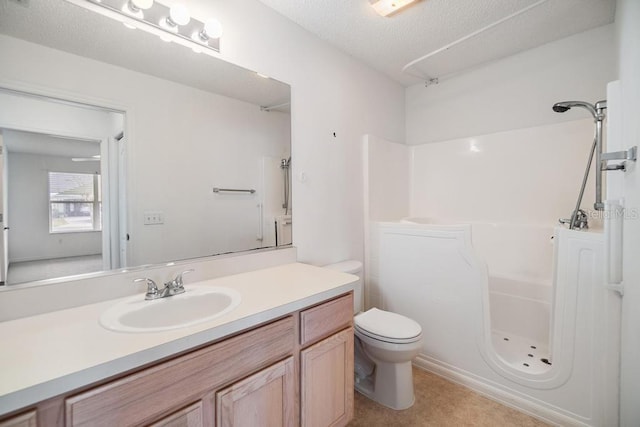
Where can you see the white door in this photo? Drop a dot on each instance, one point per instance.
(4, 236)
(122, 201)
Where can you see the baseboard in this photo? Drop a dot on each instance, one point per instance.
(527, 406)
(47, 258)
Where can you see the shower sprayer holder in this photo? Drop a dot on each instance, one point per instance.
(626, 155)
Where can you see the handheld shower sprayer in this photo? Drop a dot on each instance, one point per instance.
(284, 165)
(563, 107)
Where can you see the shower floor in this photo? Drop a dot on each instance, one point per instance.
(522, 353)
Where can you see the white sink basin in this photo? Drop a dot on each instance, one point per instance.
(196, 305)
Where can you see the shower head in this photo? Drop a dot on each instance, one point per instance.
(558, 108)
(285, 163)
(562, 107)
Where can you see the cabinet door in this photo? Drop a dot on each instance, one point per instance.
(24, 420)
(327, 381)
(191, 416)
(263, 399)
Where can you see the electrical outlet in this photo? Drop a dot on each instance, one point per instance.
(153, 218)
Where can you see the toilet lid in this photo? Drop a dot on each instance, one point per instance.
(385, 324)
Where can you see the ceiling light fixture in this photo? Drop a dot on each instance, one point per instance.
(170, 24)
(388, 7)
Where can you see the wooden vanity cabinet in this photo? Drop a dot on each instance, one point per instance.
(141, 398)
(297, 370)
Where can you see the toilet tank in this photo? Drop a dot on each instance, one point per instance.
(352, 267)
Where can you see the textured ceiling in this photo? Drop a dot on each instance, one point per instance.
(64, 26)
(389, 44)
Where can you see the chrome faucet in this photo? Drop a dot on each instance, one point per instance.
(171, 288)
(578, 221)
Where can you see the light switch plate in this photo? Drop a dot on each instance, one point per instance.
(153, 218)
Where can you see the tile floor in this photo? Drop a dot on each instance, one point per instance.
(440, 403)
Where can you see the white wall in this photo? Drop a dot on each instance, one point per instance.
(628, 32)
(515, 92)
(28, 207)
(387, 177)
(524, 176)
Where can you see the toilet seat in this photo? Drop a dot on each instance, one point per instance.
(388, 327)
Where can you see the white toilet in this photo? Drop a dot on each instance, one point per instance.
(385, 344)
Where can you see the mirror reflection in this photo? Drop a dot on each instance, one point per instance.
(118, 157)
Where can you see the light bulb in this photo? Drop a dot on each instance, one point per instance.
(132, 11)
(168, 25)
(179, 14)
(142, 4)
(213, 29)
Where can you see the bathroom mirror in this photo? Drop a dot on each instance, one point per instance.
(123, 150)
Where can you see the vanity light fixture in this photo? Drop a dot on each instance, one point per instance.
(388, 7)
(170, 24)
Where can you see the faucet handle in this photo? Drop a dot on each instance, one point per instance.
(178, 279)
(152, 288)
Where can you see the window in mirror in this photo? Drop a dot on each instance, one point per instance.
(75, 202)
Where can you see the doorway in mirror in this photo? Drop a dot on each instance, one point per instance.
(61, 188)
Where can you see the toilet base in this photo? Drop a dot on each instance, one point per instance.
(396, 390)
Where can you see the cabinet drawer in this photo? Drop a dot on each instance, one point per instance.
(323, 320)
(142, 396)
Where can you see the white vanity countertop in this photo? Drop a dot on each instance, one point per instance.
(50, 354)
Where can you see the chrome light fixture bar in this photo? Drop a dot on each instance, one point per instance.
(388, 7)
(161, 20)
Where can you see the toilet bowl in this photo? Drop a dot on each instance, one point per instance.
(385, 344)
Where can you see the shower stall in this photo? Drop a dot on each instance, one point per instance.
(522, 310)
(542, 347)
